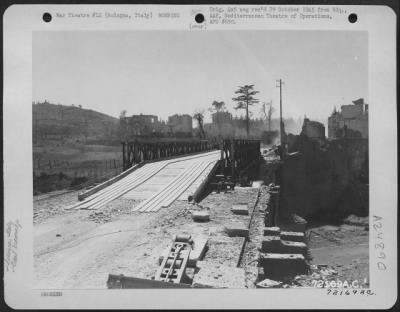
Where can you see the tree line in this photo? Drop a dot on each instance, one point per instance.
(246, 97)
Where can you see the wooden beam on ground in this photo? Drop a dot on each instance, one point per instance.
(196, 195)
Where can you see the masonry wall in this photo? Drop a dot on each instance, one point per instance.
(325, 180)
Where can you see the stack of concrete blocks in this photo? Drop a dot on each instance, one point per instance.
(282, 254)
(238, 228)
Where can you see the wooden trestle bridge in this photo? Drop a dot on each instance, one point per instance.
(157, 174)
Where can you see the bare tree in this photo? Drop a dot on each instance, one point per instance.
(266, 110)
(244, 100)
(199, 117)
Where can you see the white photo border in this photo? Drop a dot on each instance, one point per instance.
(21, 21)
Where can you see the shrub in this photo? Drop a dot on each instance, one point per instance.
(78, 180)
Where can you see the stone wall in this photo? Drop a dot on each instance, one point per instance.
(325, 179)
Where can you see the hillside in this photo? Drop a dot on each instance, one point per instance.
(55, 121)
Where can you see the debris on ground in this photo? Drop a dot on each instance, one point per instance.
(354, 220)
(99, 217)
(268, 283)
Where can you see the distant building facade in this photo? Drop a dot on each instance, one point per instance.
(352, 121)
(313, 129)
(140, 125)
(180, 124)
(221, 117)
(145, 126)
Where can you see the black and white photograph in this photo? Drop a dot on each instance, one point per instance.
(232, 158)
(227, 159)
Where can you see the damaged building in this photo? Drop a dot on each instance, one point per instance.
(350, 122)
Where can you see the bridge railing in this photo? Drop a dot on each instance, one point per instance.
(137, 152)
(237, 155)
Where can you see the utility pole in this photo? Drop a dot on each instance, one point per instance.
(280, 83)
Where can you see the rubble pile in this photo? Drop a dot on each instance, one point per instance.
(99, 217)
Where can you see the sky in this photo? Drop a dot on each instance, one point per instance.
(168, 72)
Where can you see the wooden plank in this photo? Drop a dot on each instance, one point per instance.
(127, 282)
(206, 181)
(196, 184)
(103, 185)
(179, 187)
(129, 182)
(170, 187)
(159, 196)
(161, 177)
(122, 189)
(110, 188)
(117, 187)
(172, 197)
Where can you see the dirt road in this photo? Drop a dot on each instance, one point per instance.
(72, 251)
(78, 249)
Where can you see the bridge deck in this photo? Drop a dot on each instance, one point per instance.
(157, 184)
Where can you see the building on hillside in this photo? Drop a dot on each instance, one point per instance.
(313, 129)
(139, 125)
(180, 124)
(351, 122)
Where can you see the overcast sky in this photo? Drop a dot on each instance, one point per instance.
(168, 72)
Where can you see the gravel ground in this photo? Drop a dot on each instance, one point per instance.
(79, 248)
(46, 207)
(256, 234)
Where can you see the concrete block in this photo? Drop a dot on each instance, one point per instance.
(293, 227)
(271, 244)
(272, 231)
(237, 229)
(269, 283)
(278, 265)
(257, 184)
(293, 236)
(219, 276)
(241, 209)
(293, 247)
(199, 249)
(201, 216)
(274, 244)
